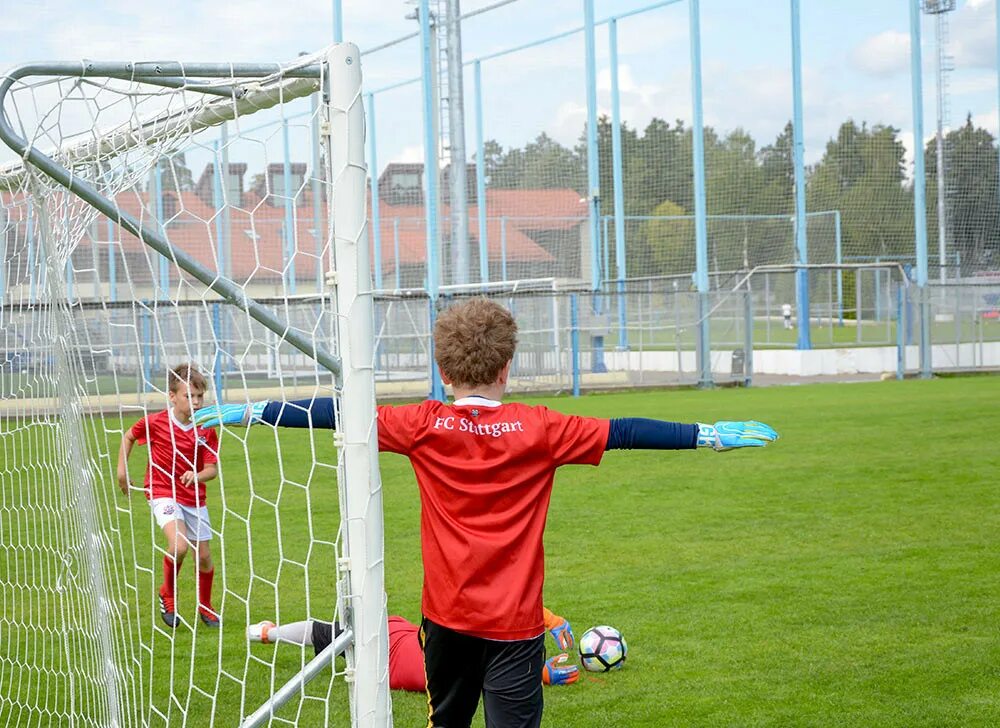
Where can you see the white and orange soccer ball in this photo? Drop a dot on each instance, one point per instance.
(602, 649)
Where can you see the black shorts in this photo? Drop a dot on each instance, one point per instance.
(460, 668)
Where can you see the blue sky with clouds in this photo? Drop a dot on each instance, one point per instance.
(855, 58)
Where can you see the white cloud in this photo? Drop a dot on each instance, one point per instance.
(884, 54)
(973, 35)
(410, 154)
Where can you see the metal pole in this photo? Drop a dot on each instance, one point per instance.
(395, 247)
(900, 335)
(700, 206)
(217, 203)
(112, 263)
(942, 221)
(288, 259)
(164, 288)
(430, 184)
(317, 188)
(227, 225)
(840, 273)
(298, 683)
(29, 234)
(503, 247)
(619, 188)
(798, 147)
(220, 392)
(919, 185)
(574, 340)
(593, 168)
(748, 336)
(456, 138)
(361, 600)
(484, 260)
(373, 176)
(338, 22)
(430, 153)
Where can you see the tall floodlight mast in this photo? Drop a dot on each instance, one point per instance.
(940, 9)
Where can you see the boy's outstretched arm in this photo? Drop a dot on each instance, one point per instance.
(637, 433)
(320, 413)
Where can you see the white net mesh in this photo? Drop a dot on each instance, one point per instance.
(239, 181)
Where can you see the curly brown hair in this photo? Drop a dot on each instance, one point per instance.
(186, 374)
(473, 341)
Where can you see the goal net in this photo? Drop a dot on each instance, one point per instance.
(158, 214)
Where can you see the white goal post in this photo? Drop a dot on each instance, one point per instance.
(263, 284)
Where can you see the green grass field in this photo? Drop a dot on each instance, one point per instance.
(844, 576)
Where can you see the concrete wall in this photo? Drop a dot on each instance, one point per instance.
(828, 362)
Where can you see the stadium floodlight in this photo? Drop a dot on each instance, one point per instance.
(78, 584)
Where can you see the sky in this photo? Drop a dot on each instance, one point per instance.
(855, 56)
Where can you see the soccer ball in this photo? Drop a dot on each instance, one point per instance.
(602, 648)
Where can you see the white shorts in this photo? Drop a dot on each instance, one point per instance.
(196, 522)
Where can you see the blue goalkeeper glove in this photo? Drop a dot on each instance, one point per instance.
(233, 415)
(555, 673)
(728, 435)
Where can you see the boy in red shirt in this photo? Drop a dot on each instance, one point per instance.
(485, 470)
(182, 457)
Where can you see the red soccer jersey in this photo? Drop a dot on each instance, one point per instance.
(406, 657)
(175, 449)
(485, 473)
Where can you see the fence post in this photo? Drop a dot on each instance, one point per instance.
(574, 341)
(220, 394)
(900, 333)
(748, 336)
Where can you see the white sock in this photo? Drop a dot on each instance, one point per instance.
(301, 633)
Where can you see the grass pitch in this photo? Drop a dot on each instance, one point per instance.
(846, 575)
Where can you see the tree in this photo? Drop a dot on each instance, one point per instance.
(862, 174)
(492, 158)
(667, 242)
(972, 207)
(542, 164)
(777, 191)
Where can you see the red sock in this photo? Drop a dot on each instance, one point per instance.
(205, 588)
(170, 575)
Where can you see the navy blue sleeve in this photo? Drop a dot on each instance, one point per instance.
(637, 433)
(319, 413)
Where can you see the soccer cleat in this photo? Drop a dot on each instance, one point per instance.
(209, 616)
(258, 632)
(167, 610)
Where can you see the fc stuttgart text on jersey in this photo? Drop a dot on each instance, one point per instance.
(464, 424)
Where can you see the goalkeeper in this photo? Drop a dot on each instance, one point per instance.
(485, 469)
(406, 656)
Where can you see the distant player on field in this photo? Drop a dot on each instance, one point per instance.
(406, 656)
(182, 457)
(485, 472)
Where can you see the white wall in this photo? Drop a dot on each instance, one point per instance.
(830, 362)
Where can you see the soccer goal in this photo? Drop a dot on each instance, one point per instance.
(156, 214)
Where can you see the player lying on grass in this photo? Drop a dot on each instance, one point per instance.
(406, 656)
(485, 469)
(182, 457)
